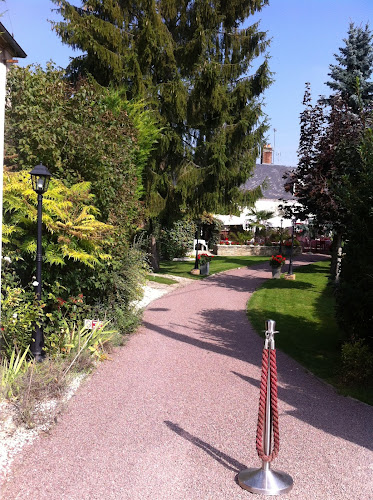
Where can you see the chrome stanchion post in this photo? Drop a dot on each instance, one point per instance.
(266, 481)
(269, 344)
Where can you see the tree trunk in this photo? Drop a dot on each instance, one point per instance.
(336, 251)
(154, 256)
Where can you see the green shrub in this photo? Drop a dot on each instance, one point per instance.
(41, 382)
(11, 370)
(357, 363)
(72, 233)
(355, 289)
(19, 311)
(178, 240)
(241, 237)
(80, 132)
(117, 284)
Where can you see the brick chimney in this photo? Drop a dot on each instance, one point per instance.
(267, 154)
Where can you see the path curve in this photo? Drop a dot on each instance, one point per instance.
(173, 415)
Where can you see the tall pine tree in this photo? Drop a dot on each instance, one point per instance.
(193, 64)
(350, 77)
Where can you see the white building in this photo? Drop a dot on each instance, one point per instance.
(9, 49)
(271, 178)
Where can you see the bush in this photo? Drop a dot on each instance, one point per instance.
(11, 371)
(72, 232)
(19, 311)
(109, 292)
(357, 363)
(242, 238)
(40, 383)
(178, 240)
(117, 284)
(80, 132)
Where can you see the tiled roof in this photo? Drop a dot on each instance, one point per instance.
(8, 42)
(273, 176)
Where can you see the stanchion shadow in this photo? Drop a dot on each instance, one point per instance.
(228, 332)
(223, 459)
(317, 404)
(253, 381)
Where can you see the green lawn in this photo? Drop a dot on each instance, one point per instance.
(160, 279)
(304, 313)
(217, 265)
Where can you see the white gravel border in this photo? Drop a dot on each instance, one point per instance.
(13, 438)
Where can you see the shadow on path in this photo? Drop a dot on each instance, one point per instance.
(223, 459)
(322, 408)
(228, 333)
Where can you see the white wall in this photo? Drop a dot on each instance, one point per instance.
(3, 69)
(262, 204)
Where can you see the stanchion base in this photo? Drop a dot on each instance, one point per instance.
(265, 482)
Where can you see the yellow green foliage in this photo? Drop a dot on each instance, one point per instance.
(70, 227)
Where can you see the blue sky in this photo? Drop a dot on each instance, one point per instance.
(305, 36)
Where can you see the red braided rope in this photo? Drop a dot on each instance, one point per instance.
(268, 357)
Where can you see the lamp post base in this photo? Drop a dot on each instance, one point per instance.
(265, 482)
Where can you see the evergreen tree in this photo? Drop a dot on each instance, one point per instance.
(192, 63)
(355, 294)
(354, 68)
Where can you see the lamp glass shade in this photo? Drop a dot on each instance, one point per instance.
(40, 176)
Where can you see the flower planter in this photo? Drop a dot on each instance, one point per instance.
(276, 273)
(205, 269)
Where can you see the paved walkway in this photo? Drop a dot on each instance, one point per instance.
(173, 415)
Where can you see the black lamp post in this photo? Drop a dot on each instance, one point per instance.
(290, 271)
(280, 248)
(40, 176)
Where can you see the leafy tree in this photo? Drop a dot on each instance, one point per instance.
(192, 64)
(333, 181)
(84, 136)
(81, 134)
(327, 147)
(350, 77)
(355, 293)
(327, 152)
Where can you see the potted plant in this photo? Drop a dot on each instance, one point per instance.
(204, 261)
(276, 263)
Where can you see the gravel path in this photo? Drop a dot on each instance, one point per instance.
(173, 415)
